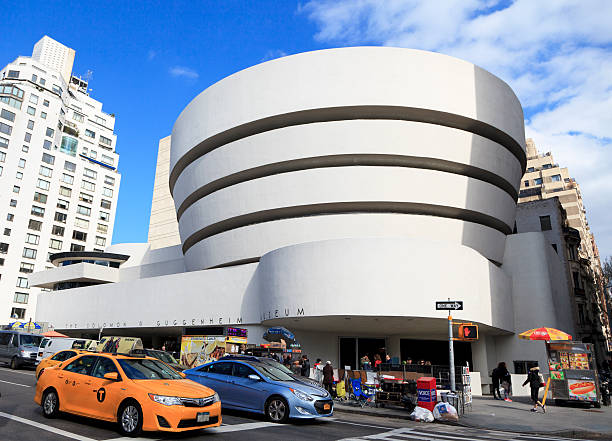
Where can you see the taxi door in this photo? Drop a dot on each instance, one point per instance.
(103, 396)
(73, 382)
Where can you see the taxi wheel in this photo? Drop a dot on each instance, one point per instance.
(130, 418)
(277, 410)
(50, 404)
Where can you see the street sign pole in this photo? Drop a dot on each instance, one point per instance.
(451, 353)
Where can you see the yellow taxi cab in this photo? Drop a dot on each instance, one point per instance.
(56, 359)
(138, 392)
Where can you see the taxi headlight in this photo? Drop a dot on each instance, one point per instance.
(215, 398)
(301, 395)
(165, 400)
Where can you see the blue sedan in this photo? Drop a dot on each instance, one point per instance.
(248, 383)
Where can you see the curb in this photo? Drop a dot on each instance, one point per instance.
(561, 433)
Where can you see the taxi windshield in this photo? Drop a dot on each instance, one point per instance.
(146, 369)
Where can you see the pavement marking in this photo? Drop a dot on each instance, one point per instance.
(16, 384)
(336, 420)
(243, 426)
(46, 427)
(17, 372)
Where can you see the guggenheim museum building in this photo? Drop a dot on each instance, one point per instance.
(338, 193)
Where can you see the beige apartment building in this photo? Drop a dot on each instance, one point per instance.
(545, 179)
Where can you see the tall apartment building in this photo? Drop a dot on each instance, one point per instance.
(58, 171)
(545, 179)
(163, 225)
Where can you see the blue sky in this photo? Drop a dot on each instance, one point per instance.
(149, 59)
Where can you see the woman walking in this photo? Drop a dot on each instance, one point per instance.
(535, 383)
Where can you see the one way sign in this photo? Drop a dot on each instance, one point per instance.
(454, 305)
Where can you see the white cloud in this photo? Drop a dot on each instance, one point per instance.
(556, 55)
(272, 54)
(185, 72)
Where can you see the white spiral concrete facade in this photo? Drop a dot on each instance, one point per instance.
(345, 143)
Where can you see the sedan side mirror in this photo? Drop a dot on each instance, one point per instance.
(113, 376)
(254, 377)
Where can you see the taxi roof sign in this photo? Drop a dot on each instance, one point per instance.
(120, 345)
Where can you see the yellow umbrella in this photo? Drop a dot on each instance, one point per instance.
(547, 334)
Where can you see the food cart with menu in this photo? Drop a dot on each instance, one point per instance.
(572, 372)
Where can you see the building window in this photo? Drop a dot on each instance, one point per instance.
(530, 169)
(65, 191)
(45, 102)
(526, 183)
(90, 173)
(4, 142)
(102, 228)
(106, 141)
(68, 179)
(33, 239)
(18, 313)
(49, 159)
(100, 241)
(35, 225)
(50, 132)
(43, 115)
(45, 171)
(105, 204)
(10, 217)
(2, 157)
(79, 235)
(86, 185)
(26, 268)
(76, 247)
(108, 180)
(31, 110)
(13, 203)
(29, 253)
(78, 117)
(5, 128)
(576, 278)
(81, 223)
(1, 262)
(25, 148)
(537, 181)
(60, 217)
(4, 248)
(19, 175)
(93, 154)
(40, 197)
(21, 163)
(554, 245)
(13, 74)
(16, 189)
(10, 116)
(89, 133)
(20, 297)
(55, 244)
(38, 211)
(108, 160)
(99, 120)
(69, 145)
(42, 184)
(22, 282)
(81, 209)
(107, 192)
(30, 125)
(521, 367)
(47, 144)
(7, 231)
(57, 230)
(104, 216)
(556, 178)
(63, 204)
(33, 98)
(69, 166)
(84, 197)
(581, 314)
(545, 223)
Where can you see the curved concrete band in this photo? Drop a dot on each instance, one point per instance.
(317, 137)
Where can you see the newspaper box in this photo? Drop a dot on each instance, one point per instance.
(426, 393)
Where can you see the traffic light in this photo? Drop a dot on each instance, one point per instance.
(468, 332)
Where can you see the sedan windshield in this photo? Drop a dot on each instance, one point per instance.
(163, 356)
(145, 369)
(271, 372)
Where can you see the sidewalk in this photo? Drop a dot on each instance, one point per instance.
(487, 413)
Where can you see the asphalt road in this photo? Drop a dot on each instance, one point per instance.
(21, 420)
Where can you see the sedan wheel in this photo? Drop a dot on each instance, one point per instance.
(277, 410)
(50, 404)
(130, 419)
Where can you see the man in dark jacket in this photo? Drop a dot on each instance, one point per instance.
(328, 377)
(535, 383)
(305, 372)
(495, 376)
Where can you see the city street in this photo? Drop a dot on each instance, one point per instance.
(21, 419)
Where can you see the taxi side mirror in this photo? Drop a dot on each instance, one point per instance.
(113, 376)
(182, 374)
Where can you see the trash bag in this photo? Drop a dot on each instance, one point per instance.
(445, 412)
(422, 414)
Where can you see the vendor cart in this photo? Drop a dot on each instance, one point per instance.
(396, 391)
(572, 372)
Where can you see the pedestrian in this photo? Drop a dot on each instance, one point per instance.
(409, 361)
(296, 367)
(328, 377)
(318, 371)
(505, 379)
(305, 372)
(535, 383)
(287, 361)
(495, 376)
(365, 363)
(388, 359)
(377, 361)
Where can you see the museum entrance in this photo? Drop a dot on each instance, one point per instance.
(435, 351)
(352, 349)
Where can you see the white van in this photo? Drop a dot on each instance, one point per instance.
(51, 345)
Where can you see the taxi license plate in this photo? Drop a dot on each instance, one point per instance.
(202, 417)
(326, 406)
